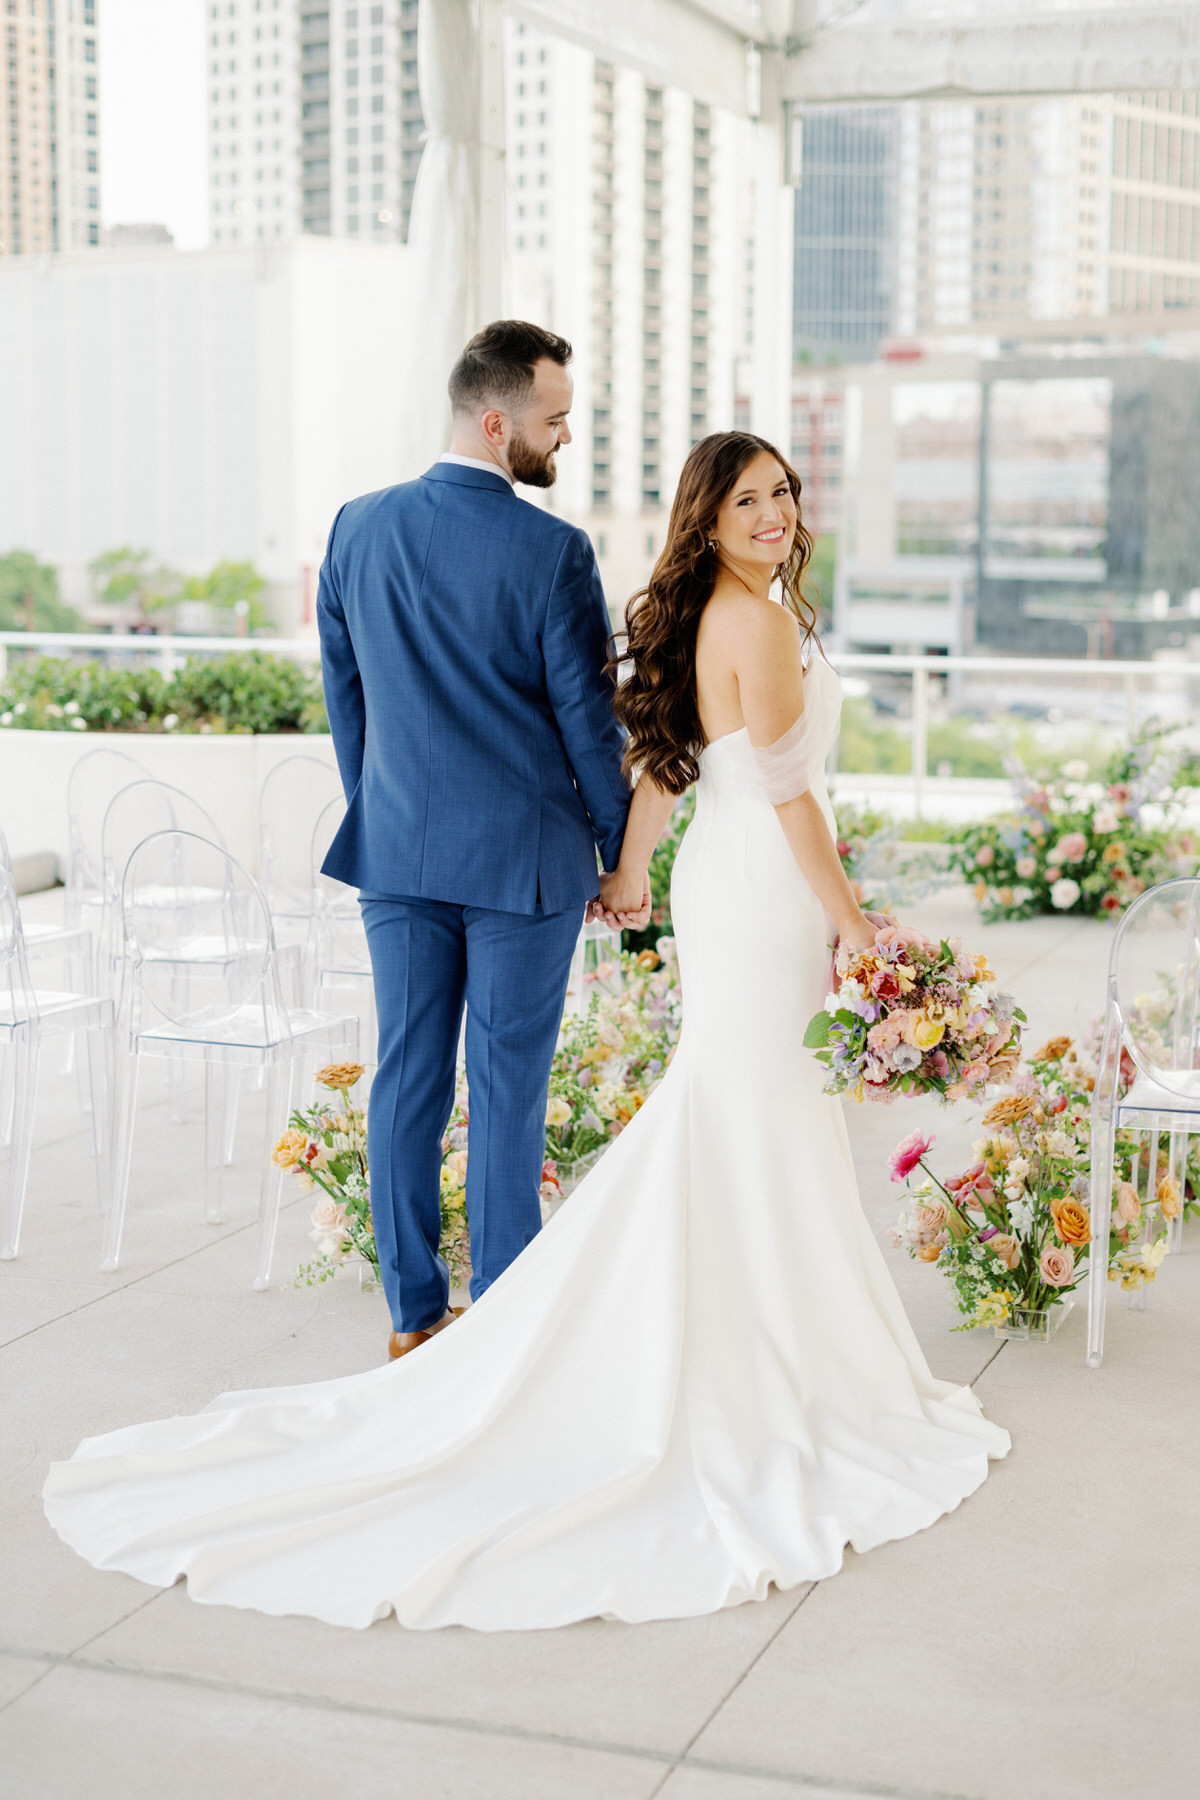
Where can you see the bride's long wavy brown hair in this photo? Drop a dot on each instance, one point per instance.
(656, 703)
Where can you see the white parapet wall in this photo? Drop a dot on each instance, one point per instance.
(223, 773)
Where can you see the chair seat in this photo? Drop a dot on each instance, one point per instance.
(43, 936)
(243, 1030)
(56, 1011)
(1149, 1096)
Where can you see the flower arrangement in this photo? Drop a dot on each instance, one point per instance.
(606, 1063)
(1012, 1232)
(1077, 846)
(909, 1016)
(880, 874)
(327, 1150)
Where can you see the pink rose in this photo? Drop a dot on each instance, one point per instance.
(939, 1062)
(328, 1214)
(1070, 849)
(1057, 1266)
(884, 1036)
(1006, 1247)
(930, 1218)
(908, 1153)
(890, 940)
(985, 856)
(1129, 1206)
(1026, 867)
(1053, 873)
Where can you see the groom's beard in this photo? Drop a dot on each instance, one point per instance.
(532, 468)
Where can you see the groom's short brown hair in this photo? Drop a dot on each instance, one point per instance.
(496, 368)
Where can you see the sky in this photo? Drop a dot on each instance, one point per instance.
(152, 116)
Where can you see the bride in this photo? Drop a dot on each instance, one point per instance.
(698, 1380)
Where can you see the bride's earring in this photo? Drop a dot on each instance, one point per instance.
(712, 544)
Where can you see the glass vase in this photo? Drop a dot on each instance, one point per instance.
(1034, 1324)
(368, 1276)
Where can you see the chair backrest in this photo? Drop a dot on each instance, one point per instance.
(289, 803)
(144, 807)
(339, 937)
(91, 785)
(17, 998)
(197, 961)
(1154, 985)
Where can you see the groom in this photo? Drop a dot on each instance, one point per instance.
(463, 642)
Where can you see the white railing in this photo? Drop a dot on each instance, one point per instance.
(165, 653)
(1084, 685)
(1082, 681)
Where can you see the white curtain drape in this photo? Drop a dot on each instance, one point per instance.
(443, 239)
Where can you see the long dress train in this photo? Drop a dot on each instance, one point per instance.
(697, 1381)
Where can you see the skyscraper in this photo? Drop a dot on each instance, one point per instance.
(937, 216)
(50, 132)
(314, 118)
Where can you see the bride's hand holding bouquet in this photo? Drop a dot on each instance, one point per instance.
(911, 1016)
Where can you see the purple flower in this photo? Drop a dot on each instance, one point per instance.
(989, 1231)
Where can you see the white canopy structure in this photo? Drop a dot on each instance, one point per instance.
(758, 59)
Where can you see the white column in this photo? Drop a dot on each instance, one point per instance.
(774, 233)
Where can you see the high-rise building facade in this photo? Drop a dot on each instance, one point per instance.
(50, 131)
(938, 216)
(314, 118)
(630, 213)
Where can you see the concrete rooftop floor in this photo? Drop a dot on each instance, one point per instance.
(1038, 1644)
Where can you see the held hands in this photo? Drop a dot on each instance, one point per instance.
(623, 903)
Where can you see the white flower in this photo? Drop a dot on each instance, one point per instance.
(19, 707)
(1064, 893)
(6, 718)
(830, 1003)
(1018, 1167)
(55, 711)
(78, 724)
(1020, 1215)
(1105, 819)
(1075, 771)
(1022, 896)
(170, 721)
(72, 706)
(1059, 1143)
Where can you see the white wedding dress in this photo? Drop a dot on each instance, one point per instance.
(697, 1381)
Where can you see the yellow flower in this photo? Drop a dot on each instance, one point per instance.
(290, 1148)
(993, 1308)
(1009, 1110)
(340, 1075)
(1072, 1221)
(1053, 1050)
(927, 1033)
(1169, 1197)
(558, 1110)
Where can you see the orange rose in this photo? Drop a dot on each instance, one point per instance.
(1169, 1197)
(1072, 1221)
(928, 1252)
(1053, 1050)
(1008, 1111)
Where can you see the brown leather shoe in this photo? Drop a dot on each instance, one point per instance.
(401, 1342)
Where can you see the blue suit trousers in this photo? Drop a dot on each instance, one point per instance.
(428, 958)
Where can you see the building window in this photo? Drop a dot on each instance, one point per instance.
(91, 125)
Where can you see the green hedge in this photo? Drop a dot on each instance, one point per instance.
(245, 692)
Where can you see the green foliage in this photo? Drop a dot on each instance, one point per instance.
(244, 692)
(817, 585)
(29, 597)
(228, 585)
(869, 744)
(128, 577)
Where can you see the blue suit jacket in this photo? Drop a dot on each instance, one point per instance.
(463, 641)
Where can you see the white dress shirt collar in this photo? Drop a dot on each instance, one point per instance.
(476, 462)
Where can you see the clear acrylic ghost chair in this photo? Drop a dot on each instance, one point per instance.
(138, 810)
(595, 946)
(339, 960)
(1152, 1031)
(28, 1016)
(230, 1014)
(290, 801)
(94, 781)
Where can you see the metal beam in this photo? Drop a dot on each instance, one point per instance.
(698, 45)
(1133, 48)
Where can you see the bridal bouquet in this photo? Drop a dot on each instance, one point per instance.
(909, 1016)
